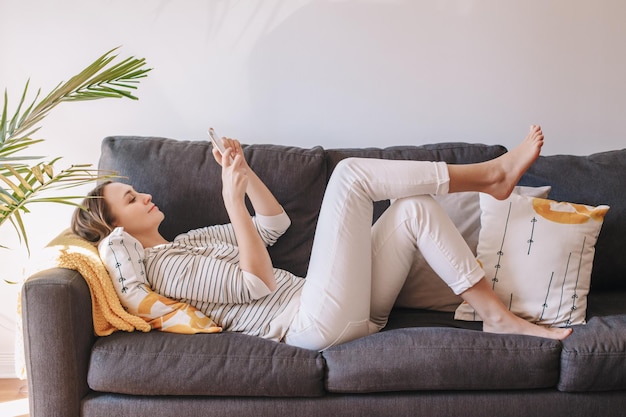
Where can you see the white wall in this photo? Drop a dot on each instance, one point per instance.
(337, 73)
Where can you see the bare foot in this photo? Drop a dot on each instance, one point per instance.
(516, 325)
(509, 168)
(498, 319)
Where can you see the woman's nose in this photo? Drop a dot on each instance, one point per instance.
(147, 198)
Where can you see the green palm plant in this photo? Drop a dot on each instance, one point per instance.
(27, 179)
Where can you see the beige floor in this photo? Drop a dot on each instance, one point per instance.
(13, 398)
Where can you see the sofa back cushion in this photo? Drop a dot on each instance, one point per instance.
(185, 182)
(592, 180)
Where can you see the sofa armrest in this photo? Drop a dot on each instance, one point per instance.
(58, 336)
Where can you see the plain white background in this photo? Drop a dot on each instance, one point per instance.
(336, 73)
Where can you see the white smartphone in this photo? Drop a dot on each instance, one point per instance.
(217, 141)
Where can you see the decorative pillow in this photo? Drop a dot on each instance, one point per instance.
(423, 287)
(537, 255)
(123, 257)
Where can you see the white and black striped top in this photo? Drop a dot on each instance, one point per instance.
(201, 268)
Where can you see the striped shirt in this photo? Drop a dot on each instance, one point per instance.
(201, 268)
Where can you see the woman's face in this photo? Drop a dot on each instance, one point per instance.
(134, 211)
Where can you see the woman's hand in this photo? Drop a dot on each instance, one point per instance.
(234, 177)
(234, 171)
(235, 147)
(260, 196)
(237, 180)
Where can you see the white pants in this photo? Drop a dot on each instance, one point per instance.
(356, 271)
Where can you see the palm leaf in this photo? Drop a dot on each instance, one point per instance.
(18, 225)
(32, 186)
(86, 85)
(3, 119)
(23, 182)
(15, 146)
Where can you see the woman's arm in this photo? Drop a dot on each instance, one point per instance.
(261, 197)
(237, 180)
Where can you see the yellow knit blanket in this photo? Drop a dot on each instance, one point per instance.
(75, 253)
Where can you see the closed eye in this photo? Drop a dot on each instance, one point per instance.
(132, 194)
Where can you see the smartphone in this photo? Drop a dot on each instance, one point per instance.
(217, 141)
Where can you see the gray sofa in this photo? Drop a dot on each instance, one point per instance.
(423, 364)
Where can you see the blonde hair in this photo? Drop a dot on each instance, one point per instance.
(93, 221)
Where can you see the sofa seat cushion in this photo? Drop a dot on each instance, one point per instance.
(594, 356)
(158, 363)
(442, 359)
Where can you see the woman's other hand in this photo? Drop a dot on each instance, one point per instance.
(234, 176)
(229, 143)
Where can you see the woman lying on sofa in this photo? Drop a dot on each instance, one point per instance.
(356, 270)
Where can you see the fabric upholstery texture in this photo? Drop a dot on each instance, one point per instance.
(501, 403)
(594, 356)
(158, 363)
(441, 359)
(61, 299)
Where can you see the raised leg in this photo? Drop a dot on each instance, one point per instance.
(498, 176)
(336, 299)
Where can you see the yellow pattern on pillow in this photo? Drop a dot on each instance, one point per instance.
(168, 315)
(568, 213)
